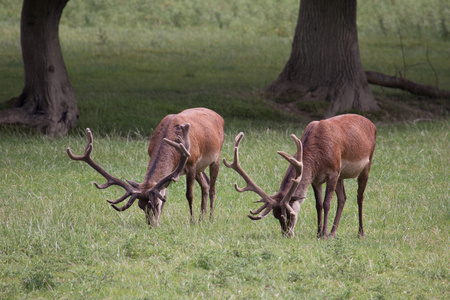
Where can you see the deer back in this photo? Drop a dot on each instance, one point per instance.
(343, 144)
(343, 139)
(206, 139)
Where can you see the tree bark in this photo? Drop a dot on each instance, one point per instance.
(48, 101)
(325, 62)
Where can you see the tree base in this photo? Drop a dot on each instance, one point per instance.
(48, 102)
(338, 99)
(16, 112)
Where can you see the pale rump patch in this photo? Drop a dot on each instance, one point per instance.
(351, 169)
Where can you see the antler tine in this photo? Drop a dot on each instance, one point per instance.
(126, 206)
(298, 166)
(183, 143)
(263, 215)
(87, 149)
(127, 194)
(131, 190)
(250, 184)
(183, 146)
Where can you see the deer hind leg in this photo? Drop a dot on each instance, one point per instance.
(362, 182)
(331, 187)
(203, 181)
(214, 173)
(319, 207)
(341, 198)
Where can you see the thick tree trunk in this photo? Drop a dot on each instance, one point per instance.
(48, 100)
(325, 62)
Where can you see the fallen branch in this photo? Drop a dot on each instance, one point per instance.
(405, 84)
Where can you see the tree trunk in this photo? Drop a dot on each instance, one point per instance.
(325, 62)
(48, 101)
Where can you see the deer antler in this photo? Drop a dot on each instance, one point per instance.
(183, 145)
(131, 188)
(298, 166)
(268, 201)
(251, 186)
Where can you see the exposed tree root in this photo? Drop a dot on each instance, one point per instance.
(405, 84)
(14, 115)
(52, 125)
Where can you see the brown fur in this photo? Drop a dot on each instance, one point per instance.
(329, 151)
(182, 144)
(333, 150)
(206, 139)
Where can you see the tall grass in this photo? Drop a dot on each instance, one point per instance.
(381, 18)
(60, 239)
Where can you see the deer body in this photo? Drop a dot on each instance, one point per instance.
(182, 144)
(206, 137)
(333, 150)
(329, 151)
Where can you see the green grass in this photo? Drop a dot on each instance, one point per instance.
(128, 82)
(383, 18)
(60, 239)
(128, 74)
(139, 76)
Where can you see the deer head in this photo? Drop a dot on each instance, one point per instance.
(151, 200)
(278, 203)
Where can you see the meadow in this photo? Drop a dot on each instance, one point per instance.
(131, 65)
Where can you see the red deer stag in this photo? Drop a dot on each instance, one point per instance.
(182, 144)
(329, 151)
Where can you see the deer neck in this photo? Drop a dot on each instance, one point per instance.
(163, 161)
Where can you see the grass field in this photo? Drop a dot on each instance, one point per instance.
(60, 239)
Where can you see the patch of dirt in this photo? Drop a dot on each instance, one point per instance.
(400, 109)
(291, 109)
(393, 109)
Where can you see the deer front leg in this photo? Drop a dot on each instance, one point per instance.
(190, 180)
(319, 207)
(331, 187)
(202, 180)
(213, 173)
(341, 198)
